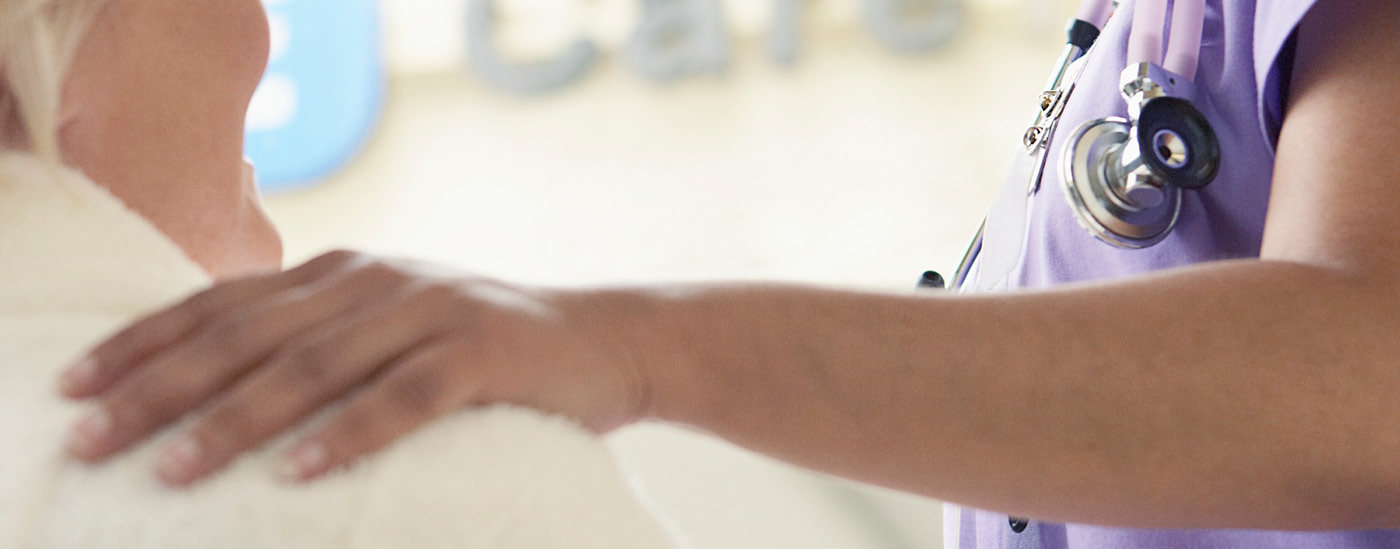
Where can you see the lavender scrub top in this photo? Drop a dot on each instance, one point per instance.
(1241, 87)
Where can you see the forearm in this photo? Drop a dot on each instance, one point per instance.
(1245, 394)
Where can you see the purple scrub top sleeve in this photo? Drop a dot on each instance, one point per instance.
(1274, 23)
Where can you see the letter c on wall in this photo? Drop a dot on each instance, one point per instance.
(526, 77)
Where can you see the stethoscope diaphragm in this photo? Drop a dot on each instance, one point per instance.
(1124, 210)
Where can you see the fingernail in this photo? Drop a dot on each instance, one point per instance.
(306, 461)
(89, 434)
(179, 461)
(80, 375)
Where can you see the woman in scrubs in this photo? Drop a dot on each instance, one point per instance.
(1232, 386)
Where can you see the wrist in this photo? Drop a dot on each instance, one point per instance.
(649, 337)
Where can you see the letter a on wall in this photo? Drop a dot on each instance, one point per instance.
(322, 94)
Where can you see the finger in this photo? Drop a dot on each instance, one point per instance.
(178, 379)
(297, 380)
(115, 358)
(188, 373)
(423, 386)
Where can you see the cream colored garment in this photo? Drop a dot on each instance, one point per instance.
(75, 264)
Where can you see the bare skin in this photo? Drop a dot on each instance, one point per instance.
(1251, 393)
(170, 83)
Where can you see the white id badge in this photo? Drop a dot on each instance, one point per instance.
(1004, 238)
(1004, 234)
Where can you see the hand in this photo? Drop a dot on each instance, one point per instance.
(402, 343)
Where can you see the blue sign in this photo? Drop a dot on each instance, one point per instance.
(323, 92)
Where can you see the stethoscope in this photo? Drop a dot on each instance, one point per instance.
(1124, 178)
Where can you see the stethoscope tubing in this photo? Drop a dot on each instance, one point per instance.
(1183, 51)
(1145, 38)
(1095, 12)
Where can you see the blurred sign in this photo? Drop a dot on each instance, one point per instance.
(678, 38)
(322, 94)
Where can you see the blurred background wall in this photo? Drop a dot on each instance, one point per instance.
(854, 166)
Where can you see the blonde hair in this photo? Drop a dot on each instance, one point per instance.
(38, 39)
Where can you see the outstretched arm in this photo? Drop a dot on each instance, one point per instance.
(1252, 393)
(1255, 393)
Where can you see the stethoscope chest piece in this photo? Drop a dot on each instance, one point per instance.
(1124, 179)
(1120, 207)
